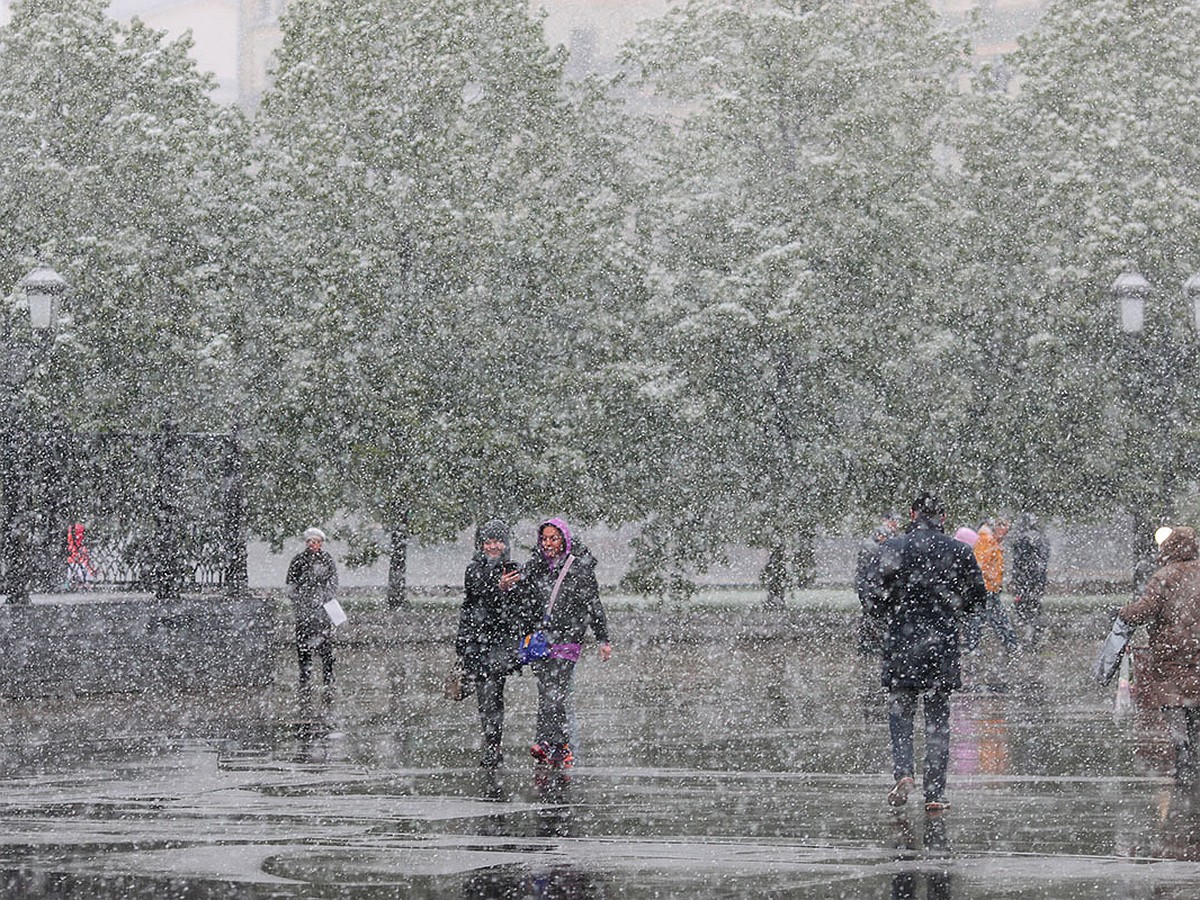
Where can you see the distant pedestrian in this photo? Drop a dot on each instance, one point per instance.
(989, 553)
(1030, 554)
(929, 582)
(312, 581)
(493, 619)
(870, 631)
(1169, 673)
(80, 572)
(560, 579)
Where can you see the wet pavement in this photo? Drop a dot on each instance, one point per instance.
(710, 764)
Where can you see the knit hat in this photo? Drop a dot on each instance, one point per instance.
(967, 535)
(495, 530)
(314, 534)
(928, 504)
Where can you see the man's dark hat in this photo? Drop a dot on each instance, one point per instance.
(928, 504)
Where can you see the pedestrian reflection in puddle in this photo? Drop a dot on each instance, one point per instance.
(492, 787)
(555, 816)
(513, 882)
(929, 866)
(1179, 817)
(312, 741)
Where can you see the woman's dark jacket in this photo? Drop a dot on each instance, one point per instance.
(491, 622)
(1030, 555)
(928, 582)
(577, 606)
(312, 580)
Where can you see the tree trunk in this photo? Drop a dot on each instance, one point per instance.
(775, 578)
(397, 590)
(234, 509)
(804, 557)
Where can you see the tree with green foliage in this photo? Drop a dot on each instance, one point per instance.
(442, 283)
(1082, 164)
(794, 242)
(117, 169)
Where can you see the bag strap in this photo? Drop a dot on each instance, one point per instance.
(557, 585)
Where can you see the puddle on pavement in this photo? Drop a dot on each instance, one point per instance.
(707, 768)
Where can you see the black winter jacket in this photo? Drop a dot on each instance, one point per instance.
(928, 582)
(1030, 555)
(491, 622)
(312, 580)
(578, 605)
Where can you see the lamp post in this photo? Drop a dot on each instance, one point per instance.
(43, 290)
(1160, 354)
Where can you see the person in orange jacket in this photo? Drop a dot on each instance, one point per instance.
(990, 555)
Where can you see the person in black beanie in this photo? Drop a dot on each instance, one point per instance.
(491, 623)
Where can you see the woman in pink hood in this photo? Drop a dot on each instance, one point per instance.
(561, 577)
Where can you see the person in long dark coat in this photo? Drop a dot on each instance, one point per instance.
(929, 581)
(493, 619)
(312, 581)
(1030, 555)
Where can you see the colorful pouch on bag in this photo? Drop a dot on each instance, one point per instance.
(533, 647)
(536, 646)
(566, 651)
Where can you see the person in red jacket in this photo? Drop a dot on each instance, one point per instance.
(1169, 606)
(80, 572)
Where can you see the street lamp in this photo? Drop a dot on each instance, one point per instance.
(43, 289)
(1191, 290)
(1160, 365)
(1130, 290)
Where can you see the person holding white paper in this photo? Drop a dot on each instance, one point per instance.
(312, 580)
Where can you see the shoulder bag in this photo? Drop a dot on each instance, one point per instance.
(535, 645)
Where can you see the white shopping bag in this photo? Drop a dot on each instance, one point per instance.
(336, 614)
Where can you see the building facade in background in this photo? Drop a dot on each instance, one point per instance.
(235, 39)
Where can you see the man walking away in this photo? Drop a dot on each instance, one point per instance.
(929, 581)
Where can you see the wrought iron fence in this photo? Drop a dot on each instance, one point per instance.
(159, 511)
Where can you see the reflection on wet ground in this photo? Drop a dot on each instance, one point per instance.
(706, 768)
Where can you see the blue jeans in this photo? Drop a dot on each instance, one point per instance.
(993, 614)
(902, 710)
